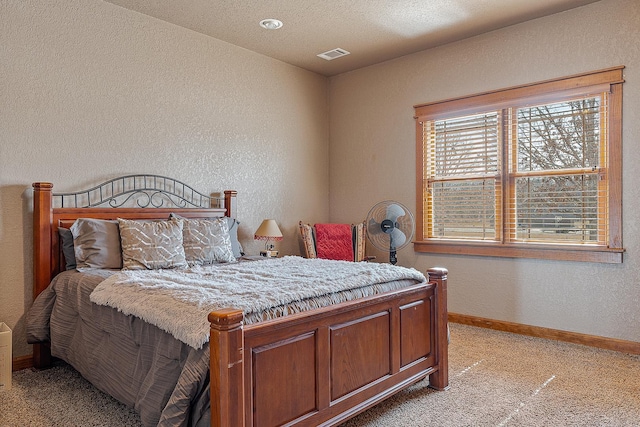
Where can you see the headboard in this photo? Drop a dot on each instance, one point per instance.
(131, 197)
(147, 197)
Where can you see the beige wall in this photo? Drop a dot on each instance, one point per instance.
(371, 119)
(90, 91)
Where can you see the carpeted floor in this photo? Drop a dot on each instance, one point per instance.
(502, 379)
(496, 379)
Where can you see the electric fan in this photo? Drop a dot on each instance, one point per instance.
(390, 227)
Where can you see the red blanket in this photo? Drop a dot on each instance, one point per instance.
(334, 241)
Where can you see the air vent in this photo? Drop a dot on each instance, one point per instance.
(333, 54)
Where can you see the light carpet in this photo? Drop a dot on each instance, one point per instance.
(496, 379)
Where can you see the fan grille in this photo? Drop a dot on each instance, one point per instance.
(390, 226)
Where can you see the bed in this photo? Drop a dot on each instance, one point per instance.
(315, 367)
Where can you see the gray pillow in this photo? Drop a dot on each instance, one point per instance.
(232, 224)
(206, 241)
(66, 244)
(151, 244)
(96, 243)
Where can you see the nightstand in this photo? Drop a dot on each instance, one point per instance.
(254, 257)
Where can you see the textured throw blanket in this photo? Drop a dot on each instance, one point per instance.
(178, 301)
(334, 241)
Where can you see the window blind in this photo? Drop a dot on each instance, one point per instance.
(554, 176)
(556, 154)
(463, 178)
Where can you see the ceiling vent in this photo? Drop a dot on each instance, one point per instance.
(333, 54)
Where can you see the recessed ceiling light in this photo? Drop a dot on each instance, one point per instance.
(271, 24)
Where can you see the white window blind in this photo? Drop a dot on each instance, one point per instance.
(557, 154)
(463, 169)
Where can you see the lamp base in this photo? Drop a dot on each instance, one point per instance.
(269, 254)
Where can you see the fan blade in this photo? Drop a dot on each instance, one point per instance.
(394, 211)
(397, 238)
(374, 227)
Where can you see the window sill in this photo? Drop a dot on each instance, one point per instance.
(536, 251)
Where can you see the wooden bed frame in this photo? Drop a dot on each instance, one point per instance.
(319, 367)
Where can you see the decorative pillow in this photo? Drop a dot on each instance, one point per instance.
(232, 225)
(66, 245)
(306, 232)
(151, 244)
(96, 243)
(206, 241)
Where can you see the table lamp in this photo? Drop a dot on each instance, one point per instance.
(268, 231)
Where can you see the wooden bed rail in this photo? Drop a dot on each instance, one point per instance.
(44, 265)
(414, 324)
(226, 347)
(230, 197)
(440, 379)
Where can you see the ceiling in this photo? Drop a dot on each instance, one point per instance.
(372, 31)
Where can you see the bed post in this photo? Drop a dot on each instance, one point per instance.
(230, 203)
(226, 368)
(42, 219)
(439, 380)
(42, 257)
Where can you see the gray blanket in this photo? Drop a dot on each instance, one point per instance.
(178, 301)
(163, 379)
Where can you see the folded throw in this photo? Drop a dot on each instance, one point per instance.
(334, 241)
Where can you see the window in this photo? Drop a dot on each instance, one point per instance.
(532, 171)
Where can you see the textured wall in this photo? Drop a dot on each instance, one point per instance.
(372, 119)
(90, 91)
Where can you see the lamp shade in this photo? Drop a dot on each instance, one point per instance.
(268, 230)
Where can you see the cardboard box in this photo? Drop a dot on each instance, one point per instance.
(5, 357)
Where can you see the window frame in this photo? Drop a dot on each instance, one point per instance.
(549, 91)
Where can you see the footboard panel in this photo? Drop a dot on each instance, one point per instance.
(284, 380)
(351, 346)
(325, 366)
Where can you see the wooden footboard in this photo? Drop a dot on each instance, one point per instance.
(324, 366)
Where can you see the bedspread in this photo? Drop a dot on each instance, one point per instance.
(178, 301)
(163, 379)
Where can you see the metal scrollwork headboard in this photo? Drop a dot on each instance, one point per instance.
(142, 191)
